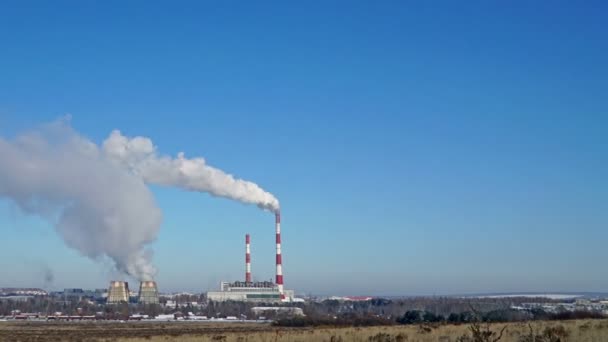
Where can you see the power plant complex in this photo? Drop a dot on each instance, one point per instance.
(248, 290)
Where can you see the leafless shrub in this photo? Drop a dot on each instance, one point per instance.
(381, 337)
(481, 333)
(335, 338)
(549, 334)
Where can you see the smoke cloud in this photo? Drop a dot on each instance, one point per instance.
(139, 155)
(49, 277)
(97, 207)
(97, 198)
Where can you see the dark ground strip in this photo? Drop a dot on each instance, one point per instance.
(79, 331)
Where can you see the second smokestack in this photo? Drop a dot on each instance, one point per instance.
(247, 259)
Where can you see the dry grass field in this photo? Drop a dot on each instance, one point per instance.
(581, 330)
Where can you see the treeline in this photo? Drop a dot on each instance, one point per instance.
(509, 315)
(387, 308)
(393, 308)
(427, 317)
(344, 320)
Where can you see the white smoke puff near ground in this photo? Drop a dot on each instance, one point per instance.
(139, 155)
(98, 207)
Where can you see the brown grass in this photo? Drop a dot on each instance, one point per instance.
(581, 330)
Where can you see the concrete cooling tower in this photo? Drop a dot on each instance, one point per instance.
(118, 292)
(148, 292)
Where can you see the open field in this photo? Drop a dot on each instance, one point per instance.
(581, 330)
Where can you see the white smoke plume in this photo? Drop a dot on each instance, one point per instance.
(98, 208)
(96, 197)
(139, 155)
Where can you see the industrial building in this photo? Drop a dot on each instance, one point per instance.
(148, 292)
(240, 291)
(22, 291)
(118, 292)
(248, 290)
(286, 310)
(72, 294)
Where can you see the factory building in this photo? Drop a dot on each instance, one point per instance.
(248, 290)
(148, 292)
(71, 295)
(240, 291)
(288, 310)
(22, 291)
(118, 292)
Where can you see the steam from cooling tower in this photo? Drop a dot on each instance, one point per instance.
(97, 198)
(97, 208)
(139, 155)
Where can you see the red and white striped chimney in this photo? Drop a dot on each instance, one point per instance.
(247, 259)
(279, 259)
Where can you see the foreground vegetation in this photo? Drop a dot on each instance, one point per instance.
(538, 331)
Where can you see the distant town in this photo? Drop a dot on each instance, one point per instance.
(76, 304)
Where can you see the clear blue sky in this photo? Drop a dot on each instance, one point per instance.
(416, 147)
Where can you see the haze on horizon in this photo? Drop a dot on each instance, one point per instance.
(442, 148)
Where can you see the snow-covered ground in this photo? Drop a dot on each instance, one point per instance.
(534, 295)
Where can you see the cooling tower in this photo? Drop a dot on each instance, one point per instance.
(148, 292)
(118, 292)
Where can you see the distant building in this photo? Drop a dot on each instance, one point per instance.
(22, 291)
(240, 291)
(16, 298)
(352, 298)
(74, 294)
(288, 310)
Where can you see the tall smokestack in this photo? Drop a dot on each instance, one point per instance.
(247, 259)
(279, 259)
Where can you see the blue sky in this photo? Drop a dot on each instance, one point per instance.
(416, 148)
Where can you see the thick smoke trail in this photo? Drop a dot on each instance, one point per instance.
(98, 208)
(97, 198)
(139, 155)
